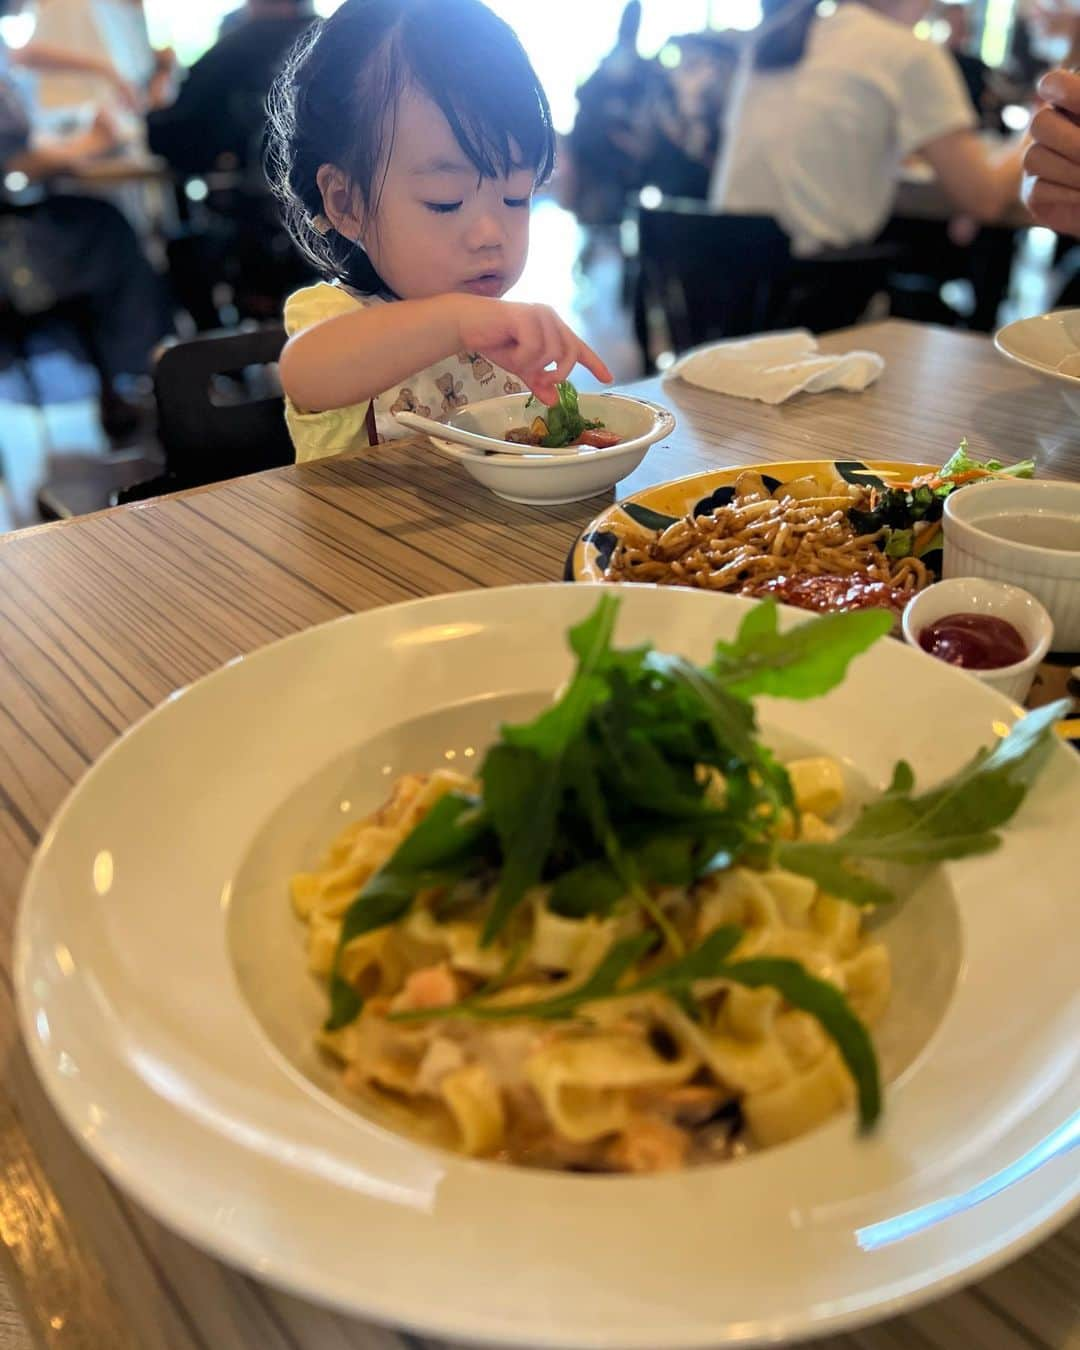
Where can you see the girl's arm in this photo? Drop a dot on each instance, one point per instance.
(353, 358)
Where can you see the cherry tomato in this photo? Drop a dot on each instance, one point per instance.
(598, 440)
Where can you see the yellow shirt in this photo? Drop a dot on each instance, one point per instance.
(435, 392)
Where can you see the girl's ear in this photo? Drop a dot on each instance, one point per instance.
(341, 202)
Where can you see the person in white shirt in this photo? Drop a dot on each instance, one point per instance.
(829, 110)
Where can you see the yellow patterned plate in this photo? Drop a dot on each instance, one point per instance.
(657, 507)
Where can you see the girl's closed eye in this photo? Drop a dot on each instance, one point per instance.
(443, 208)
(518, 202)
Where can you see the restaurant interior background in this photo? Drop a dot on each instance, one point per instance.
(55, 457)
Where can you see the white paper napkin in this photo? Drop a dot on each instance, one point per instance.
(775, 367)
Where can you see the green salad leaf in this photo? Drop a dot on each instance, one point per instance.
(564, 420)
(804, 662)
(962, 461)
(828, 1005)
(954, 820)
(708, 961)
(524, 776)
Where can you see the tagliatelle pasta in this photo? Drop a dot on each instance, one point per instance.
(633, 1083)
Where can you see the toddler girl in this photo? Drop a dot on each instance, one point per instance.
(407, 139)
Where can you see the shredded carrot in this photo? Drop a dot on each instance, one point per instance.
(935, 480)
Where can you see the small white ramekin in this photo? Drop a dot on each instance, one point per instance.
(1051, 575)
(977, 595)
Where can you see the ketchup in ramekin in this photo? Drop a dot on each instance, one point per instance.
(974, 641)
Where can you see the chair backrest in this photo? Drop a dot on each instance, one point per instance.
(712, 275)
(220, 410)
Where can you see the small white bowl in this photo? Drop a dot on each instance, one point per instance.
(1042, 344)
(549, 480)
(1052, 575)
(976, 595)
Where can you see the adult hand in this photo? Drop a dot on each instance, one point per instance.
(104, 134)
(129, 95)
(1051, 185)
(525, 340)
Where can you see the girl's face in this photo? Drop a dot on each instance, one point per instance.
(439, 226)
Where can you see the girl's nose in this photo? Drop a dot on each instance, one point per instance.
(486, 231)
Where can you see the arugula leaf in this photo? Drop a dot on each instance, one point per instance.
(708, 961)
(602, 983)
(553, 731)
(829, 1006)
(805, 662)
(596, 886)
(731, 718)
(676, 978)
(447, 845)
(705, 962)
(523, 792)
(954, 820)
(592, 888)
(524, 775)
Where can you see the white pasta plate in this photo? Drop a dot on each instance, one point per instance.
(163, 996)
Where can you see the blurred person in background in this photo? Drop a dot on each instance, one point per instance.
(45, 58)
(685, 113)
(608, 145)
(61, 250)
(829, 111)
(988, 96)
(215, 122)
(218, 109)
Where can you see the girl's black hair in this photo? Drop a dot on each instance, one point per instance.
(335, 103)
(785, 45)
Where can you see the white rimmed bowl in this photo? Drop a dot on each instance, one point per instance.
(1052, 575)
(978, 595)
(143, 934)
(1042, 344)
(546, 479)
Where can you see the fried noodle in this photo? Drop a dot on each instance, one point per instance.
(757, 537)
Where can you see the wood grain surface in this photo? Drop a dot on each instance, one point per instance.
(102, 618)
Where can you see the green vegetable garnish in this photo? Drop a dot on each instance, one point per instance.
(962, 462)
(898, 510)
(708, 961)
(955, 820)
(564, 420)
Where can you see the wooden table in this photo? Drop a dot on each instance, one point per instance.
(101, 618)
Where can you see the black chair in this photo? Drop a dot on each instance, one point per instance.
(712, 275)
(220, 409)
(707, 275)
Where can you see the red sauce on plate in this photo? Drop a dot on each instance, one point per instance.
(974, 641)
(829, 594)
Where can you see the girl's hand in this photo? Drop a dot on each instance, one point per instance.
(525, 340)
